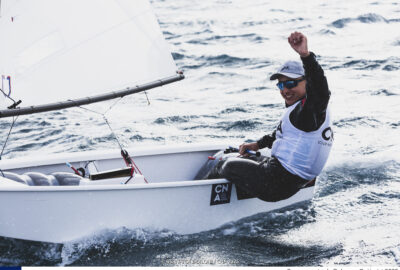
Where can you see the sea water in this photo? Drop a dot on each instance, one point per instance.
(227, 50)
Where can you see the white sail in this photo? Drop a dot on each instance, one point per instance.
(57, 50)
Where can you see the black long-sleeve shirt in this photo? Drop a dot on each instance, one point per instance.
(309, 114)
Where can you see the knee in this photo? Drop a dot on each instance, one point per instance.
(230, 168)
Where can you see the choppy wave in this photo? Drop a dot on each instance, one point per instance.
(20, 252)
(365, 18)
(383, 92)
(222, 60)
(357, 174)
(389, 64)
(357, 121)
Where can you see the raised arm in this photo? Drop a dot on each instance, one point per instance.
(310, 115)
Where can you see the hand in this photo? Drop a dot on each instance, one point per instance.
(248, 146)
(298, 42)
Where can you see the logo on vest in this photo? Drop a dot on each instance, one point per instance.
(327, 135)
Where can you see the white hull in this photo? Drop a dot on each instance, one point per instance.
(171, 200)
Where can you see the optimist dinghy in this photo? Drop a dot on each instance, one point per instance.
(56, 53)
(40, 200)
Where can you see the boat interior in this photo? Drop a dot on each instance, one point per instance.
(107, 168)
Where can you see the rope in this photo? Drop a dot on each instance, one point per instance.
(15, 103)
(112, 131)
(7, 96)
(148, 101)
(128, 160)
(106, 120)
(9, 132)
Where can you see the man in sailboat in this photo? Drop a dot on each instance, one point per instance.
(301, 143)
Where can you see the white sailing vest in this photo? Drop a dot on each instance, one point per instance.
(302, 153)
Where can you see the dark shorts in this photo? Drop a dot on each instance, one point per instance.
(268, 180)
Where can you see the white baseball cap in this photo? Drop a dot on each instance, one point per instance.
(290, 69)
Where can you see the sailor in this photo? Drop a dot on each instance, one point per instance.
(302, 141)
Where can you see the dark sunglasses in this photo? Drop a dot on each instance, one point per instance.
(288, 84)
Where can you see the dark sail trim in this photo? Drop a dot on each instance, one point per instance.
(89, 100)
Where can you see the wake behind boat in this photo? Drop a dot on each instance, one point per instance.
(63, 53)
